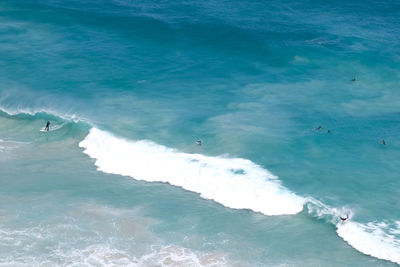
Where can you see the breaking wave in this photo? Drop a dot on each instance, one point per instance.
(234, 182)
(377, 239)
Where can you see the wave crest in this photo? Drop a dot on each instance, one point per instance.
(42, 113)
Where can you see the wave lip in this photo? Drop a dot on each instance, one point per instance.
(233, 182)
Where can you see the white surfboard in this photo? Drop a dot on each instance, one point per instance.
(43, 130)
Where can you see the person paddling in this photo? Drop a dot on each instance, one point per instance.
(47, 128)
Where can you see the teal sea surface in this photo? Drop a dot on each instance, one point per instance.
(130, 86)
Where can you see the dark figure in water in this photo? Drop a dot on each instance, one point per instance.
(353, 80)
(383, 142)
(199, 142)
(329, 131)
(344, 219)
(319, 128)
(47, 126)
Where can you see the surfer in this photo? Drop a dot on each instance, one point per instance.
(344, 219)
(199, 142)
(329, 131)
(383, 142)
(47, 128)
(353, 80)
(319, 128)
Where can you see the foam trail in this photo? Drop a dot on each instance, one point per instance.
(234, 182)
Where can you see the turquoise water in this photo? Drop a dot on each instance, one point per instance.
(129, 86)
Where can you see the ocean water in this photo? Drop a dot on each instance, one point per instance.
(129, 86)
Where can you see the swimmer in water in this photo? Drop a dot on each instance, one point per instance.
(199, 142)
(329, 131)
(383, 142)
(344, 219)
(353, 80)
(319, 128)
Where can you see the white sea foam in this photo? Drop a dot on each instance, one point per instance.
(234, 182)
(166, 255)
(100, 254)
(105, 236)
(379, 239)
(172, 255)
(103, 255)
(374, 239)
(330, 214)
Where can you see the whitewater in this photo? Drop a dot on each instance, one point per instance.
(296, 103)
(235, 183)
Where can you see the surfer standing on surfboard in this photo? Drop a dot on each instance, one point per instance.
(47, 126)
